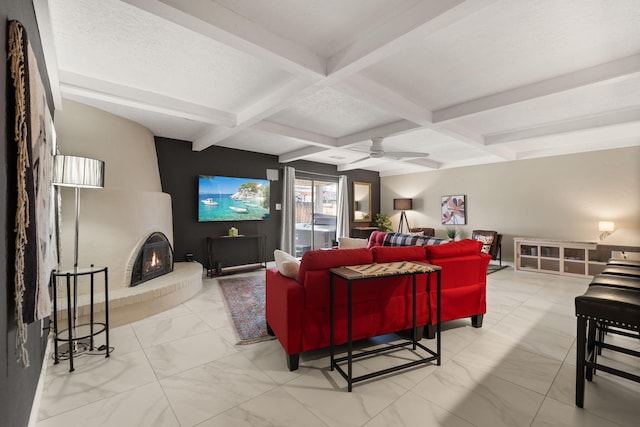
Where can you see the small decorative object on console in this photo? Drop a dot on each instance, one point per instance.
(452, 233)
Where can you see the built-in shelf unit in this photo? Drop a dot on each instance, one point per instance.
(567, 257)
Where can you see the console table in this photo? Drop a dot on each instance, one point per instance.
(360, 273)
(220, 251)
(75, 332)
(362, 232)
(567, 257)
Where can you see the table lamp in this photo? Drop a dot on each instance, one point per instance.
(605, 228)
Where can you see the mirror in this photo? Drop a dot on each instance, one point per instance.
(362, 202)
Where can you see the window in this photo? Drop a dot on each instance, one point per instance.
(316, 208)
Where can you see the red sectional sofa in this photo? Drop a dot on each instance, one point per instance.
(297, 310)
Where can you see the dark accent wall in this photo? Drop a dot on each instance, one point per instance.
(17, 384)
(179, 169)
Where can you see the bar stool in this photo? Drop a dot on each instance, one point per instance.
(610, 301)
(629, 272)
(621, 270)
(614, 281)
(624, 262)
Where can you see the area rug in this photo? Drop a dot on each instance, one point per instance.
(245, 300)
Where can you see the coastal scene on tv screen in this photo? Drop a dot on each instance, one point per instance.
(223, 198)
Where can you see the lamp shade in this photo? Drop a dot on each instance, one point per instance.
(402, 204)
(606, 226)
(73, 171)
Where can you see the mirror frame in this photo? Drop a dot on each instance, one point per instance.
(366, 218)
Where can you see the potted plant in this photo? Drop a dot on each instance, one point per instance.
(383, 222)
(452, 233)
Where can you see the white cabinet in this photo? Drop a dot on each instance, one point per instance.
(566, 257)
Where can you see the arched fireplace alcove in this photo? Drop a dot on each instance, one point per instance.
(154, 259)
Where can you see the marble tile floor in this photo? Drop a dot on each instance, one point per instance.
(182, 368)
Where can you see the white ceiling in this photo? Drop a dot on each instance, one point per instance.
(469, 82)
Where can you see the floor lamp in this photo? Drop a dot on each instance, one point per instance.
(77, 172)
(403, 205)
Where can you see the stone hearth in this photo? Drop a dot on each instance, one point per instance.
(130, 304)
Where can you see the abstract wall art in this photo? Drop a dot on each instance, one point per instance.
(454, 210)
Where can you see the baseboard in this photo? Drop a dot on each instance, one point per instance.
(35, 406)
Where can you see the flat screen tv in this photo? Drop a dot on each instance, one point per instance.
(225, 198)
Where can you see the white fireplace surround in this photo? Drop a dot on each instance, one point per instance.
(114, 224)
(115, 219)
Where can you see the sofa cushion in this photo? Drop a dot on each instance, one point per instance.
(376, 238)
(314, 274)
(350, 243)
(290, 269)
(486, 242)
(326, 259)
(402, 239)
(454, 249)
(398, 253)
(286, 264)
(434, 241)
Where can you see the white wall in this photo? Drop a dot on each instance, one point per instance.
(560, 197)
(127, 148)
(113, 220)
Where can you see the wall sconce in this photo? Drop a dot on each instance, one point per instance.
(606, 228)
(403, 205)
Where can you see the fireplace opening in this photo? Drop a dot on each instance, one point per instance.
(154, 259)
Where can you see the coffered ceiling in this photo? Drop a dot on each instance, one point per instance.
(468, 82)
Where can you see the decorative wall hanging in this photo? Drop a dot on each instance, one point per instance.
(453, 210)
(34, 226)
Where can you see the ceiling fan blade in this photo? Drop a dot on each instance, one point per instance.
(404, 154)
(360, 159)
(364, 162)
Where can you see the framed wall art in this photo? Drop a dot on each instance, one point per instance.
(454, 210)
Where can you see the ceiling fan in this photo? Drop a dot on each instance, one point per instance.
(377, 152)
